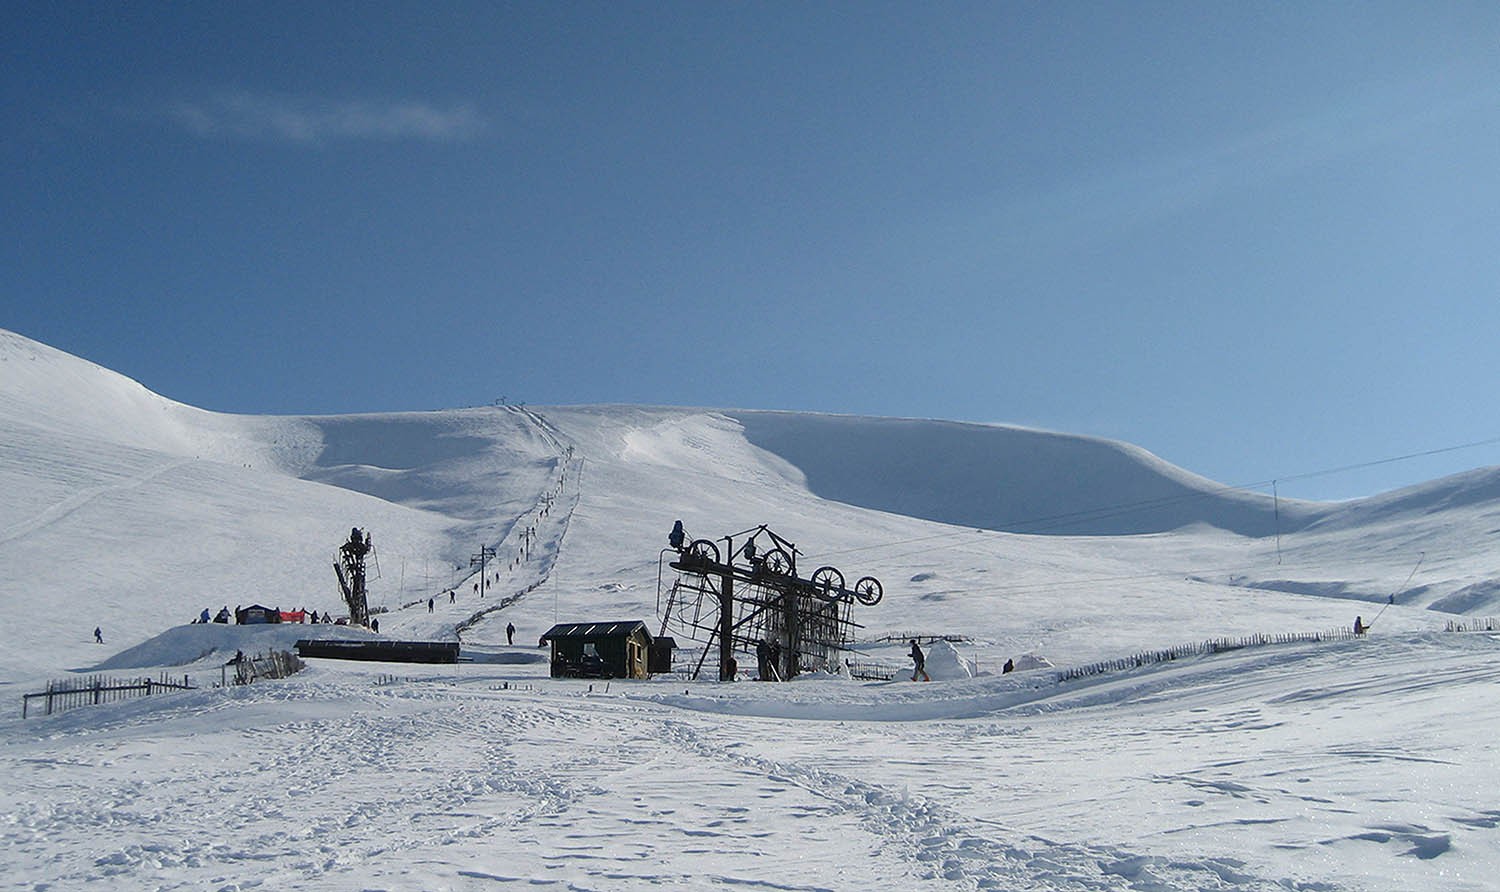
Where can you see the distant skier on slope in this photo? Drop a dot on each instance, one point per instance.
(98, 635)
(510, 633)
(920, 659)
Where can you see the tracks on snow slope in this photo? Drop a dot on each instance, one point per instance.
(948, 846)
(539, 518)
(74, 502)
(306, 800)
(445, 782)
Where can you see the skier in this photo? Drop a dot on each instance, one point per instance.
(510, 633)
(429, 605)
(204, 617)
(920, 660)
(450, 596)
(375, 626)
(1359, 626)
(98, 635)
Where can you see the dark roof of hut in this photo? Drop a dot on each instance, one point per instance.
(592, 631)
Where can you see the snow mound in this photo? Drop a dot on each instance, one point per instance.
(1030, 661)
(201, 642)
(945, 664)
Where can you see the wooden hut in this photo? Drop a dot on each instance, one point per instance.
(600, 650)
(254, 614)
(659, 661)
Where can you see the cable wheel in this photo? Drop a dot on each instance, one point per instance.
(702, 551)
(777, 561)
(828, 583)
(868, 591)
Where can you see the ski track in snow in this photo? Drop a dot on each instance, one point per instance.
(943, 845)
(440, 775)
(459, 777)
(315, 797)
(83, 497)
(550, 523)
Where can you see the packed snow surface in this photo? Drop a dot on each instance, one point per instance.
(1342, 763)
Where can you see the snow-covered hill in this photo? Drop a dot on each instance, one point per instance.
(132, 512)
(128, 511)
(1009, 478)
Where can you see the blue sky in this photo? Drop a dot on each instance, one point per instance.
(1257, 239)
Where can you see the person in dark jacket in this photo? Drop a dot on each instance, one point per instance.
(510, 633)
(98, 635)
(920, 660)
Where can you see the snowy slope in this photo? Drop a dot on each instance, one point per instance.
(1009, 478)
(132, 512)
(1289, 767)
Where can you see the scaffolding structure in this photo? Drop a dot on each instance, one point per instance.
(350, 569)
(750, 599)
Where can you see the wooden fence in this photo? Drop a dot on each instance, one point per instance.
(869, 670)
(920, 637)
(247, 670)
(1485, 624)
(1212, 646)
(67, 693)
(501, 605)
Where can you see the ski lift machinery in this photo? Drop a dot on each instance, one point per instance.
(350, 570)
(750, 598)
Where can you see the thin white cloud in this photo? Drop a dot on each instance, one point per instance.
(1060, 219)
(283, 118)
